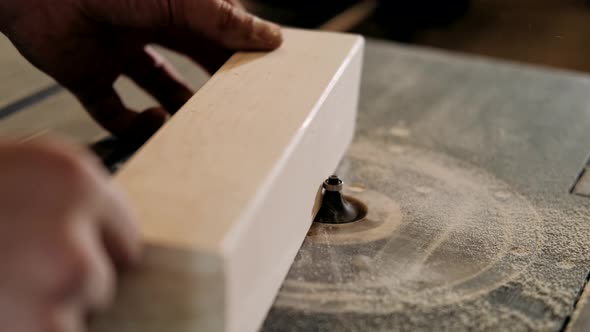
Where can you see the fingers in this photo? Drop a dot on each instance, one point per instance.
(205, 30)
(120, 228)
(236, 3)
(58, 255)
(156, 76)
(103, 236)
(115, 221)
(88, 278)
(97, 270)
(90, 187)
(225, 23)
(108, 110)
(66, 318)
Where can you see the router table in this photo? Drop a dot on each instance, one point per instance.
(473, 173)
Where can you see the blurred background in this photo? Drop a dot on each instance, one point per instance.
(548, 33)
(553, 33)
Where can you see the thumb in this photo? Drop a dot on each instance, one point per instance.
(225, 23)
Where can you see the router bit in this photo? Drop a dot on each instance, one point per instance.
(335, 208)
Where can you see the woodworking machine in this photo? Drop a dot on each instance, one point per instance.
(461, 203)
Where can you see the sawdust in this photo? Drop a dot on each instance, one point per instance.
(463, 237)
(357, 187)
(566, 265)
(469, 252)
(400, 130)
(380, 222)
(423, 190)
(502, 195)
(396, 149)
(362, 262)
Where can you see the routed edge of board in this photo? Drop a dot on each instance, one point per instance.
(217, 254)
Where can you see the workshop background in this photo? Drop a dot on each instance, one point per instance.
(547, 33)
(553, 33)
(515, 135)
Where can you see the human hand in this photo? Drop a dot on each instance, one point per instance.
(87, 44)
(63, 228)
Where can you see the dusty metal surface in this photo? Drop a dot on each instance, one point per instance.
(466, 166)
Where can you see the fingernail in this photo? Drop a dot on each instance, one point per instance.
(268, 33)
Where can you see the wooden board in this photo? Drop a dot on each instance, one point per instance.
(227, 189)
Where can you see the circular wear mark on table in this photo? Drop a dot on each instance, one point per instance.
(456, 240)
(380, 222)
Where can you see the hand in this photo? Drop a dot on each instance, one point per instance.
(86, 44)
(62, 226)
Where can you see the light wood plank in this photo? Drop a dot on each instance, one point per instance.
(227, 190)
